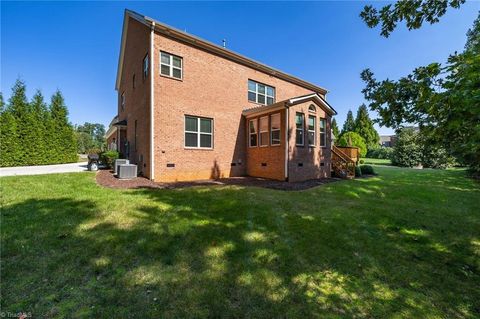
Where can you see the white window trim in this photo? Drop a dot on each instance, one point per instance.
(250, 133)
(314, 131)
(257, 93)
(260, 132)
(171, 66)
(297, 129)
(275, 130)
(324, 133)
(197, 132)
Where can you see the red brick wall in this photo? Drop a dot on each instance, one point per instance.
(136, 99)
(311, 157)
(272, 156)
(212, 87)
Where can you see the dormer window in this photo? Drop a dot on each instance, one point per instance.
(260, 93)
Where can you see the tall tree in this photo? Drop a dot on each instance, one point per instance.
(65, 144)
(9, 147)
(444, 101)
(349, 124)
(414, 13)
(335, 130)
(23, 116)
(38, 129)
(364, 127)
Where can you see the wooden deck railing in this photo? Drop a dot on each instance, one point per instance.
(342, 164)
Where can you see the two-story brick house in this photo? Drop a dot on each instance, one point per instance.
(189, 109)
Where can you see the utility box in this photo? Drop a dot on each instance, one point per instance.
(127, 171)
(119, 161)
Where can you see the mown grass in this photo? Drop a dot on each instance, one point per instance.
(376, 161)
(404, 244)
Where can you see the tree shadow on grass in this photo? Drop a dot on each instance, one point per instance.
(233, 252)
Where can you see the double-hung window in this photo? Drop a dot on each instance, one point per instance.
(264, 131)
(311, 130)
(299, 127)
(323, 132)
(198, 132)
(145, 67)
(260, 93)
(275, 129)
(252, 131)
(122, 101)
(171, 65)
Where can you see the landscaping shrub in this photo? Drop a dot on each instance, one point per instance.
(367, 169)
(358, 171)
(353, 139)
(362, 161)
(380, 153)
(94, 150)
(109, 157)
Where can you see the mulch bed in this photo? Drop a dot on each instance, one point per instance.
(107, 179)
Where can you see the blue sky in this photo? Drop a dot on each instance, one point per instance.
(74, 46)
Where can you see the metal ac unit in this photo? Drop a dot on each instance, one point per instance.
(127, 171)
(119, 161)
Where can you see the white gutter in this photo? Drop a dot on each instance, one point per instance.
(152, 71)
(287, 110)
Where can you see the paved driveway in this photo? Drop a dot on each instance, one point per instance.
(43, 169)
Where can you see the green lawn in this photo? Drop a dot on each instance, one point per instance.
(376, 161)
(405, 244)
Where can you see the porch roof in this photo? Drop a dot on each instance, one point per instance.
(292, 101)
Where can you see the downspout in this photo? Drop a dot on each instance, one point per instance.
(152, 95)
(287, 110)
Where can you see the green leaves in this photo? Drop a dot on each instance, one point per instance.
(32, 133)
(413, 12)
(444, 101)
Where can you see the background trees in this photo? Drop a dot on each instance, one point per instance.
(364, 127)
(349, 124)
(90, 136)
(443, 100)
(353, 139)
(34, 134)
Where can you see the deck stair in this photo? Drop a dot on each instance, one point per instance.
(342, 165)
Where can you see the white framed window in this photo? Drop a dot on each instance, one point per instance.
(311, 130)
(263, 131)
(253, 133)
(260, 93)
(171, 65)
(198, 132)
(323, 132)
(122, 101)
(145, 67)
(299, 127)
(275, 129)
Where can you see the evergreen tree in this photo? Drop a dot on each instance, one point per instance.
(335, 130)
(364, 127)
(349, 124)
(407, 150)
(38, 129)
(21, 111)
(64, 144)
(8, 133)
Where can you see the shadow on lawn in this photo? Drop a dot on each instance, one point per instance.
(233, 252)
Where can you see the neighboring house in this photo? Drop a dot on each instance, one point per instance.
(189, 109)
(388, 140)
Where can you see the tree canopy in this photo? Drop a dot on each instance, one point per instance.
(335, 130)
(443, 100)
(349, 125)
(364, 128)
(34, 134)
(413, 12)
